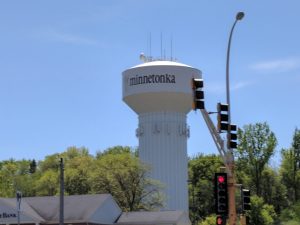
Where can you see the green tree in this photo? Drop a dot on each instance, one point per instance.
(290, 168)
(115, 150)
(32, 166)
(51, 162)
(209, 220)
(8, 174)
(273, 191)
(291, 214)
(74, 152)
(125, 178)
(15, 176)
(79, 165)
(47, 184)
(261, 213)
(256, 146)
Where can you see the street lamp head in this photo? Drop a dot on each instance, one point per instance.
(240, 15)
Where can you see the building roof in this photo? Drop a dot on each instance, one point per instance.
(154, 218)
(27, 211)
(93, 209)
(77, 208)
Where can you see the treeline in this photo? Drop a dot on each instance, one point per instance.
(116, 170)
(275, 192)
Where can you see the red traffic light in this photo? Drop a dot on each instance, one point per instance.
(221, 179)
(221, 194)
(221, 220)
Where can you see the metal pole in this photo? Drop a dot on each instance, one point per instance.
(239, 16)
(193, 196)
(227, 72)
(19, 198)
(61, 202)
(230, 158)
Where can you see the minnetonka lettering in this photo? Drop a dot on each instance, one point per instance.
(148, 79)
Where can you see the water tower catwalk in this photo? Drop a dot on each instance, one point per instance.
(160, 93)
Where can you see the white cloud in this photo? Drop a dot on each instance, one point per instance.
(282, 65)
(240, 85)
(53, 35)
(215, 88)
(218, 88)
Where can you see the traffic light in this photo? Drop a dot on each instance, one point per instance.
(232, 137)
(198, 101)
(221, 194)
(19, 196)
(221, 220)
(246, 199)
(222, 117)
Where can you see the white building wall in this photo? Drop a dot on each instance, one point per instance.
(163, 145)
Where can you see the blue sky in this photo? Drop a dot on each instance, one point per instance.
(61, 65)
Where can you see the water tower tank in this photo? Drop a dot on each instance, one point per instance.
(160, 93)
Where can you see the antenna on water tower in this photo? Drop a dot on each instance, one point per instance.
(171, 47)
(161, 45)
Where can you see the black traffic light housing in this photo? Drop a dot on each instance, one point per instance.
(246, 200)
(232, 136)
(221, 193)
(222, 117)
(198, 94)
(19, 196)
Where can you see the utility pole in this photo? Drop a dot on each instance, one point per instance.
(19, 199)
(61, 195)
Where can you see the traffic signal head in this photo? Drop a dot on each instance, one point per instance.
(233, 127)
(222, 117)
(197, 83)
(18, 195)
(222, 107)
(198, 98)
(221, 195)
(221, 220)
(232, 136)
(246, 200)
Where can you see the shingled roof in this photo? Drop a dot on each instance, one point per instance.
(99, 209)
(154, 218)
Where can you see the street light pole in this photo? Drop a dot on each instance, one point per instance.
(230, 158)
(239, 16)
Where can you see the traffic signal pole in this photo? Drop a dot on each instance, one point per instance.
(225, 152)
(219, 142)
(243, 219)
(228, 160)
(231, 195)
(231, 180)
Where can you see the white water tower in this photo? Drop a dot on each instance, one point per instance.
(160, 93)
